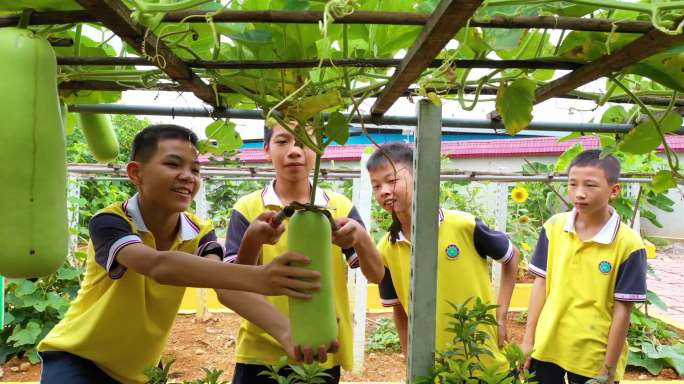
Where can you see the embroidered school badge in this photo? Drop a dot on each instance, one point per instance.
(452, 251)
(605, 267)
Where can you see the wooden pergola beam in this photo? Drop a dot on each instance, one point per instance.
(358, 17)
(311, 63)
(116, 16)
(445, 21)
(647, 45)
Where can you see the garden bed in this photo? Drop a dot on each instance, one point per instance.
(211, 343)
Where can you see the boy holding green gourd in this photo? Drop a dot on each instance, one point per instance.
(465, 242)
(141, 255)
(260, 242)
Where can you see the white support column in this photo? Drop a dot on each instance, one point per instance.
(73, 196)
(501, 216)
(202, 209)
(423, 287)
(362, 200)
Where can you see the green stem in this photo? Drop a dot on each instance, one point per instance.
(345, 53)
(25, 18)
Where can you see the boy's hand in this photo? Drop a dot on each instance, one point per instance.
(605, 376)
(526, 347)
(306, 354)
(262, 230)
(279, 278)
(348, 233)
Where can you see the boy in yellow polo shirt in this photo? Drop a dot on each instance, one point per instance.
(464, 244)
(353, 247)
(141, 255)
(590, 269)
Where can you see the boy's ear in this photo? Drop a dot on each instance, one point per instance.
(614, 191)
(267, 152)
(133, 170)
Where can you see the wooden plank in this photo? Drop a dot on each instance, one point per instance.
(358, 17)
(311, 63)
(647, 45)
(445, 21)
(114, 15)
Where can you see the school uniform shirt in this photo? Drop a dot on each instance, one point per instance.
(462, 272)
(254, 345)
(121, 319)
(584, 279)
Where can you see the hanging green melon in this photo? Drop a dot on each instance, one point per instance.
(33, 232)
(100, 136)
(313, 322)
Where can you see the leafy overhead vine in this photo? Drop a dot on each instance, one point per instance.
(310, 101)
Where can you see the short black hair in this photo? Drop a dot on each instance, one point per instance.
(592, 158)
(145, 142)
(268, 133)
(396, 151)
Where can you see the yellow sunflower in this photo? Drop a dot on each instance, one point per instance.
(525, 247)
(519, 195)
(524, 219)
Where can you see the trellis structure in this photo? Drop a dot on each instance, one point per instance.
(439, 27)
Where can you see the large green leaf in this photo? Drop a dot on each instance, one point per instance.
(514, 103)
(636, 359)
(654, 299)
(662, 181)
(40, 5)
(665, 68)
(27, 335)
(644, 138)
(225, 135)
(337, 128)
(614, 115)
(567, 156)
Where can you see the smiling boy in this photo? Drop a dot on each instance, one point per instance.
(352, 247)
(142, 254)
(590, 269)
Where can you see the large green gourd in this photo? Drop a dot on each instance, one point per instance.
(100, 136)
(33, 230)
(314, 322)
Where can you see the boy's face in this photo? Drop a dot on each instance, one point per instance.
(393, 191)
(171, 177)
(292, 161)
(589, 189)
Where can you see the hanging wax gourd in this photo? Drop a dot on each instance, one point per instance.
(33, 230)
(314, 322)
(100, 136)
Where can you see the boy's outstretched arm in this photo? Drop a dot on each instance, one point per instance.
(259, 311)
(537, 300)
(616, 338)
(350, 234)
(184, 269)
(509, 273)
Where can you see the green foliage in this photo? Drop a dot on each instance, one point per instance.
(33, 308)
(652, 345)
(461, 361)
(514, 103)
(222, 195)
(284, 373)
(384, 337)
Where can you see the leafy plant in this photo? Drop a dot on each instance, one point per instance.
(284, 373)
(159, 374)
(384, 337)
(33, 308)
(652, 345)
(461, 362)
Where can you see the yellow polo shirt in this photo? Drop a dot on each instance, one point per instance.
(254, 346)
(121, 319)
(462, 272)
(583, 281)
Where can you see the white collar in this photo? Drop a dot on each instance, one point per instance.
(606, 235)
(131, 207)
(401, 233)
(270, 197)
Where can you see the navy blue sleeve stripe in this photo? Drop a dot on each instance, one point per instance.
(236, 231)
(540, 255)
(631, 279)
(388, 295)
(489, 242)
(209, 246)
(110, 233)
(350, 254)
